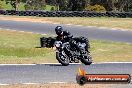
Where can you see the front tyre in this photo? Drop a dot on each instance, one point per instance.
(62, 58)
(87, 60)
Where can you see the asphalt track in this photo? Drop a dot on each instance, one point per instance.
(90, 32)
(50, 73)
(10, 74)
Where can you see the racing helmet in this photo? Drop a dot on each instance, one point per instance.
(59, 30)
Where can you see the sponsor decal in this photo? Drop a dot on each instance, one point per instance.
(83, 78)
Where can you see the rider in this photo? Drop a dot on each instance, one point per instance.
(65, 36)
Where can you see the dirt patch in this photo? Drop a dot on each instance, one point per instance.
(22, 18)
(57, 86)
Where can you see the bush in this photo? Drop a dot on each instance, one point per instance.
(52, 9)
(35, 5)
(96, 8)
(1, 5)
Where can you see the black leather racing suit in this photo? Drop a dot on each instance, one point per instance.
(64, 37)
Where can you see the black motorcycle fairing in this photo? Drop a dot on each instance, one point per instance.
(75, 51)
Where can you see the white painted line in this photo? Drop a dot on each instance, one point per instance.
(59, 63)
(91, 26)
(108, 28)
(102, 27)
(74, 63)
(21, 31)
(123, 30)
(1, 84)
(30, 32)
(43, 34)
(37, 33)
(6, 29)
(24, 31)
(113, 63)
(81, 63)
(79, 25)
(12, 30)
(69, 24)
(113, 29)
(57, 82)
(55, 23)
(30, 83)
(38, 64)
(16, 64)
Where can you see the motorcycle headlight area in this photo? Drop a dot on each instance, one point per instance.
(82, 45)
(57, 44)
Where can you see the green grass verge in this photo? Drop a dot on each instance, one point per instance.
(20, 47)
(105, 51)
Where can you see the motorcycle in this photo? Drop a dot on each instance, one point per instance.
(67, 53)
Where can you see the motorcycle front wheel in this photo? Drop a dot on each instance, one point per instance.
(87, 59)
(62, 58)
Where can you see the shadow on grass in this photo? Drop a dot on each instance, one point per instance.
(38, 47)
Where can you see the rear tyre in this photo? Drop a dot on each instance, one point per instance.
(62, 58)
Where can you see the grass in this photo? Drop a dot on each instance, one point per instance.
(20, 47)
(104, 51)
(21, 6)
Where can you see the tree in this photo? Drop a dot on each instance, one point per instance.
(68, 5)
(120, 5)
(114, 5)
(128, 6)
(95, 8)
(63, 5)
(35, 5)
(1, 6)
(13, 3)
(72, 5)
(77, 5)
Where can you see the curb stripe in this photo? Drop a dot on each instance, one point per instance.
(30, 83)
(23, 31)
(113, 63)
(57, 82)
(70, 63)
(3, 84)
(60, 63)
(16, 64)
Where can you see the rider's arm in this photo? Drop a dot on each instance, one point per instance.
(67, 34)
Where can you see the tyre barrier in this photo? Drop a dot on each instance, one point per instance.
(47, 42)
(66, 13)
